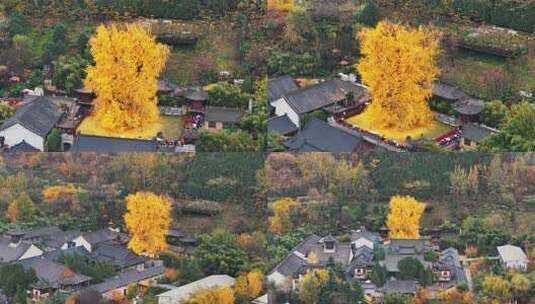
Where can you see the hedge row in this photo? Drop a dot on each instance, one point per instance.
(515, 14)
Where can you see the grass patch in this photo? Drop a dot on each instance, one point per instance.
(216, 47)
(432, 131)
(170, 126)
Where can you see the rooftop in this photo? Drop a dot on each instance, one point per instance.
(184, 293)
(39, 115)
(102, 144)
(319, 136)
(280, 86)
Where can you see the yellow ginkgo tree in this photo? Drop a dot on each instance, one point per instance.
(403, 220)
(128, 61)
(148, 219)
(399, 66)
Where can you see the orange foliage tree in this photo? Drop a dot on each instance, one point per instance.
(21, 208)
(398, 66)
(403, 220)
(148, 219)
(124, 78)
(280, 5)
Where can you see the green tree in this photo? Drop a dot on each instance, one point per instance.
(220, 253)
(56, 43)
(397, 298)
(18, 24)
(5, 112)
(15, 277)
(228, 141)
(69, 72)
(53, 141)
(410, 269)
(517, 132)
(21, 297)
(494, 113)
(368, 13)
(379, 275)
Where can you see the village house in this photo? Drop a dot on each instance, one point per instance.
(319, 136)
(118, 285)
(219, 118)
(513, 258)
(14, 248)
(31, 123)
(185, 292)
(102, 144)
(358, 257)
(473, 134)
(53, 277)
(334, 96)
(281, 125)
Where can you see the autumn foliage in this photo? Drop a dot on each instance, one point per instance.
(403, 220)
(280, 221)
(398, 66)
(250, 285)
(280, 5)
(54, 193)
(223, 295)
(148, 219)
(124, 78)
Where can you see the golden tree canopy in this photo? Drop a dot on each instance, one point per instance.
(280, 5)
(124, 78)
(403, 220)
(148, 219)
(280, 221)
(398, 66)
(250, 285)
(224, 295)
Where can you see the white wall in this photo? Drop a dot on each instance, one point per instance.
(279, 280)
(282, 107)
(363, 242)
(33, 251)
(17, 133)
(79, 242)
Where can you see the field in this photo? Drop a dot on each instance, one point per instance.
(430, 132)
(170, 126)
(216, 49)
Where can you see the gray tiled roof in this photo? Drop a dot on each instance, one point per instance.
(58, 239)
(9, 253)
(39, 116)
(318, 96)
(99, 236)
(340, 255)
(469, 106)
(449, 258)
(118, 255)
(475, 133)
(281, 124)
(400, 249)
(448, 92)
(357, 234)
(362, 256)
(293, 263)
(309, 242)
(221, 114)
(320, 136)
(23, 147)
(127, 277)
(280, 86)
(51, 274)
(400, 286)
(40, 232)
(101, 144)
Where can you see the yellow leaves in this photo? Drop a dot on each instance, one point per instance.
(495, 287)
(127, 63)
(250, 285)
(455, 296)
(13, 212)
(398, 66)
(310, 283)
(214, 296)
(312, 259)
(280, 5)
(403, 220)
(54, 193)
(148, 219)
(280, 221)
